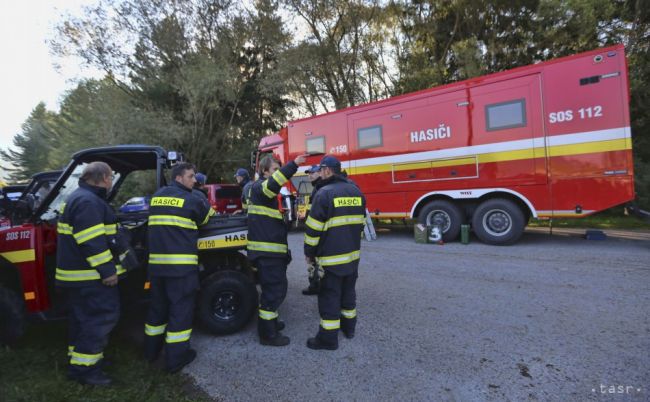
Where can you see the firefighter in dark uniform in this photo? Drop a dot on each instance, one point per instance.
(267, 245)
(333, 239)
(175, 213)
(314, 280)
(244, 181)
(88, 272)
(199, 186)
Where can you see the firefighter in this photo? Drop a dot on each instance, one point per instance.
(88, 273)
(244, 181)
(267, 245)
(333, 239)
(175, 213)
(199, 186)
(314, 281)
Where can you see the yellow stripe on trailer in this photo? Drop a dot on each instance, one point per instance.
(581, 148)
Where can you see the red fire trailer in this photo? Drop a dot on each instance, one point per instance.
(546, 140)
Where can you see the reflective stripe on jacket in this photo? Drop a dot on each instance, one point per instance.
(175, 213)
(267, 232)
(334, 226)
(85, 228)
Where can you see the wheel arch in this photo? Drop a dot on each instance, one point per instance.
(477, 196)
(220, 261)
(427, 198)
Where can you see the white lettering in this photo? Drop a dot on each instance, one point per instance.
(442, 131)
(583, 113)
(430, 134)
(25, 234)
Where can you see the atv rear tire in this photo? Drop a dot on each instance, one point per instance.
(227, 301)
(12, 316)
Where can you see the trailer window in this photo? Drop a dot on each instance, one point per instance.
(499, 116)
(315, 145)
(369, 137)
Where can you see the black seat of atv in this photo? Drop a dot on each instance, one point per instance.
(222, 222)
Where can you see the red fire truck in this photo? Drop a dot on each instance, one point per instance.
(543, 141)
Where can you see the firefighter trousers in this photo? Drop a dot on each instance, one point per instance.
(272, 274)
(93, 311)
(337, 303)
(170, 316)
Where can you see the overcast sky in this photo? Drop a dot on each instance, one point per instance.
(27, 75)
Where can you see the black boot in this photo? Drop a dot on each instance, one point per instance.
(96, 377)
(105, 363)
(308, 291)
(347, 326)
(348, 334)
(316, 344)
(152, 347)
(269, 333)
(279, 340)
(189, 357)
(279, 325)
(313, 288)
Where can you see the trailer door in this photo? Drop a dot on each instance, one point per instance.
(508, 132)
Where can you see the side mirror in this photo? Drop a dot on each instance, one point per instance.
(173, 158)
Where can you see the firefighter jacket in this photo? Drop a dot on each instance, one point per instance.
(267, 232)
(86, 228)
(175, 213)
(245, 193)
(334, 226)
(316, 184)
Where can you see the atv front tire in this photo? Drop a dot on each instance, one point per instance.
(227, 301)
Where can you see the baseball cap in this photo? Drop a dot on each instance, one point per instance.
(313, 169)
(330, 162)
(241, 172)
(201, 178)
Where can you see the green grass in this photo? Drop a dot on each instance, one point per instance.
(35, 370)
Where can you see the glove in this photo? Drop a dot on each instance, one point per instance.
(321, 272)
(120, 246)
(310, 270)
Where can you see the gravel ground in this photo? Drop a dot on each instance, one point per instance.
(554, 318)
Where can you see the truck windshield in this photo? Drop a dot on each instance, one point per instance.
(70, 185)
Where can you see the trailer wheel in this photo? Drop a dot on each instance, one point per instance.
(445, 214)
(12, 316)
(227, 301)
(498, 221)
